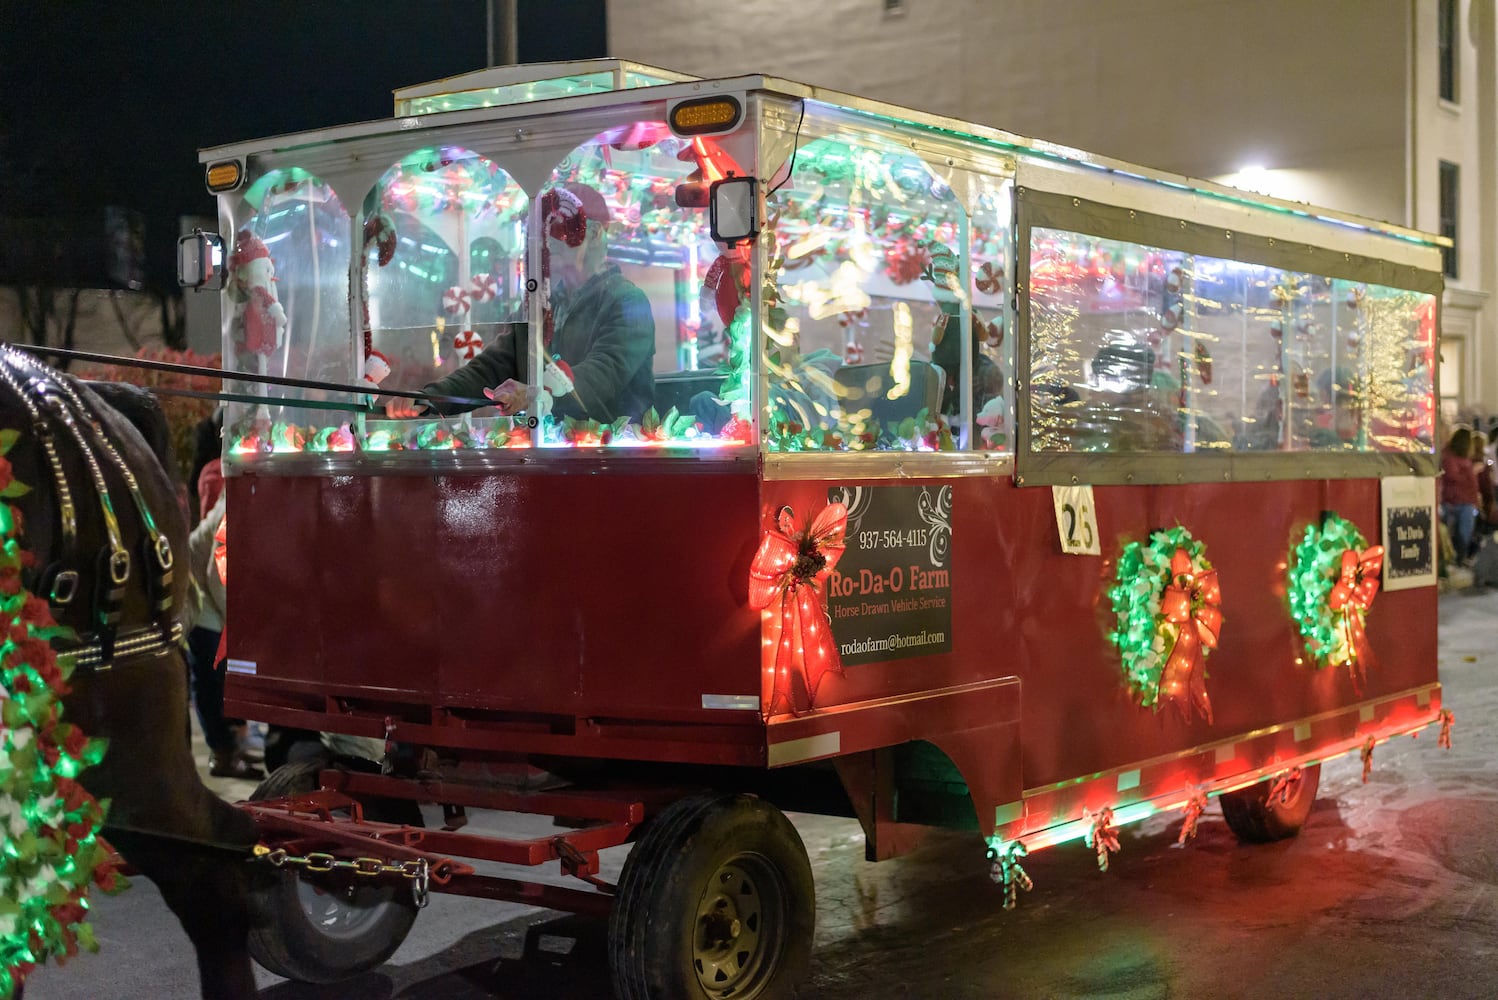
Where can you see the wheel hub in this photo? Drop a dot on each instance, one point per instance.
(721, 925)
(739, 929)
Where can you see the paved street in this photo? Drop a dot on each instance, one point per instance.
(1391, 890)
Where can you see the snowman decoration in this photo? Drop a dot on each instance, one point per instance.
(259, 319)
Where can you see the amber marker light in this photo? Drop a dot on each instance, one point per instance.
(224, 176)
(706, 116)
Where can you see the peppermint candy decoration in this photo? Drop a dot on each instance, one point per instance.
(990, 278)
(485, 288)
(456, 301)
(468, 344)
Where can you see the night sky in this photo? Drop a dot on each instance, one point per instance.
(107, 103)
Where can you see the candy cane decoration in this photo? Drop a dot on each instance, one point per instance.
(485, 288)
(456, 301)
(1103, 837)
(468, 344)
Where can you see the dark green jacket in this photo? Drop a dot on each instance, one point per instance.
(604, 331)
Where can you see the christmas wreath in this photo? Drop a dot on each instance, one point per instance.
(1166, 597)
(1334, 575)
(51, 825)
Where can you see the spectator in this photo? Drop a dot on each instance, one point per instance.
(1459, 493)
(226, 758)
(1487, 511)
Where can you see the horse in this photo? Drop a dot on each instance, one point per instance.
(108, 541)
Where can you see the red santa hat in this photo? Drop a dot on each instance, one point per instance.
(568, 207)
(247, 247)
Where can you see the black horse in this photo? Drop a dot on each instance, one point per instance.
(107, 533)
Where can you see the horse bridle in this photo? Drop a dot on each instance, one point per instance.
(103, 641)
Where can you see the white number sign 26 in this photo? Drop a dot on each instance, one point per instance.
(1076, 520)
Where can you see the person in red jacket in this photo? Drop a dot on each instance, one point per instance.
(1459, 493)
(1487, 508)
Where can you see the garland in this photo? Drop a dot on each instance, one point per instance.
(52, 847)
(1333, 577)
(1167, 601)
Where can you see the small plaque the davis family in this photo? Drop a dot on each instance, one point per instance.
(1409, 530)
(891, 594)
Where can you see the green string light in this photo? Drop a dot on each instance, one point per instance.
(52, 852)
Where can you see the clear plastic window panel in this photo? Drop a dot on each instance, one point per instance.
(1136, 348)
(443, 275)
(644, 319)
(871, 281)
(286, 314)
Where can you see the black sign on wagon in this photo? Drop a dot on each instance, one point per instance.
(891, 594)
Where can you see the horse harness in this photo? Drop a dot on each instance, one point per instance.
(50, 401)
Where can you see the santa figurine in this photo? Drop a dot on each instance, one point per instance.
(376, 370)
(259, 319)
(258, 315)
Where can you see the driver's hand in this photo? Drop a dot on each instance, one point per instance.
(510, 396)
(401, 408)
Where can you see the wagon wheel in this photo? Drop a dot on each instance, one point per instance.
(327, 927)
(716, 901)
(1256, 820)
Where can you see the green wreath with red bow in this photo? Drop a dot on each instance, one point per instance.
(1333, 578)
(1168, 603)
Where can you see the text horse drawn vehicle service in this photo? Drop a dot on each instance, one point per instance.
(657, 453)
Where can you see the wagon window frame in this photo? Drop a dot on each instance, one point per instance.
(1037, 466)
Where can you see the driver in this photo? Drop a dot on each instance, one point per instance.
(599, 339)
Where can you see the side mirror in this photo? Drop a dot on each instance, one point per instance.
(200, 260)
(733, 210)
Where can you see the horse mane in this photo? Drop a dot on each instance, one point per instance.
(141, 408)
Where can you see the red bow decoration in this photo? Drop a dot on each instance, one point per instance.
(1353, 595)
(789, 567)
(1192, 604)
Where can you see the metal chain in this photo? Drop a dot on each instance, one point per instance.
(418, 870)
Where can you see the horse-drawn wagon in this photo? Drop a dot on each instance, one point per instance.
(976, 482)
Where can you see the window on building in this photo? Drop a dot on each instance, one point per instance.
(1450, 206)
(1446, 31)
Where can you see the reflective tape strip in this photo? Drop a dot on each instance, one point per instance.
(732, 702)
(1227, 753)
(1302, 732)
(1008, 813)
(1128, 780)
(808, 748)
(241, 667)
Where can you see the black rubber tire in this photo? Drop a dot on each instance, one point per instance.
(292, 942)
(1256, 820)
(678, 867)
